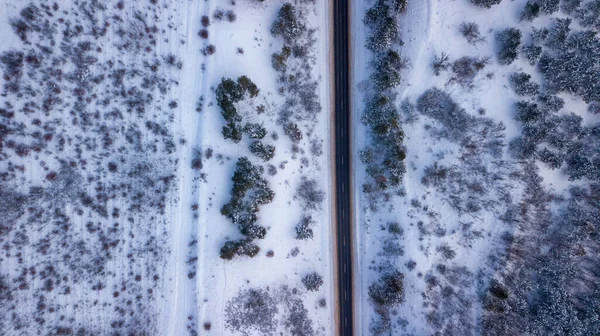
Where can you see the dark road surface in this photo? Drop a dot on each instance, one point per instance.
(342, 169)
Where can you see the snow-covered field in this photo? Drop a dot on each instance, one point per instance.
(467, 203)
(114, 169)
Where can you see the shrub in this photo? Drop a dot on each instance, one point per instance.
(470, 30)
(383, 25)
(522, 84)
(303, 228)
(440, 63)
(486, 3)
(255, 130)
(263, 151)
(532, 53)
(508, 43)
(527, 112)
(288, 24)
(530, 11)
(313, 281)
(388, 290)
(234, 248)
(310, 193)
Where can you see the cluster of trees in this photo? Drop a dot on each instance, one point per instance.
(385, 157)
(571, 64)
(508, 41)
(229, 93)
(294, 63)
(250, 191)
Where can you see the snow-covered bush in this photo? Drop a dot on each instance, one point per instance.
(508, 44)
(388, 290)
(310, 194)
(522, 84)
(440, 63)
(303, 228)
(384, 28)
(288, 24)
(466, 68)
(532, 53)
(312, 281)
(470, 30)
(486, 3)
(262, 150)
(243, 247)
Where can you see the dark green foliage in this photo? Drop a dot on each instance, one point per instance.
(532, 53)
(527, 112)
(388, 290)
(530, 11)
(303, 228)
(312, 281)
(552, 159)
(279, 60)
(589, 14)
(255, 130)
(387, 70)
(229, 93)
(550, 102)
(508, 43)
(292, 131)
(288, 24)
(250, 190)
(486, 3)
(498, 290)
(383, 25)
(573, 65)
(233, 248)
(262, 150)
(522, 84)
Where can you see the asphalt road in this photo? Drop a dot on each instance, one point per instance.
(342, 169)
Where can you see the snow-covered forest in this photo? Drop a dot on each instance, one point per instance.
(477, 167)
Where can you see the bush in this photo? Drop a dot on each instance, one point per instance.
(234, 248)
(593, 107)
(388, 290)
(387, 70)
(255, 130)
(383, 25)
(440, 63)
(486, 3)
(508, 43)
(470, 30)
(263, 151)
(530, 11)
(310, 193)
(527, 112)
(287, 24)
(532, 53)
(303, 228)
(522, 84)
(313, 281)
